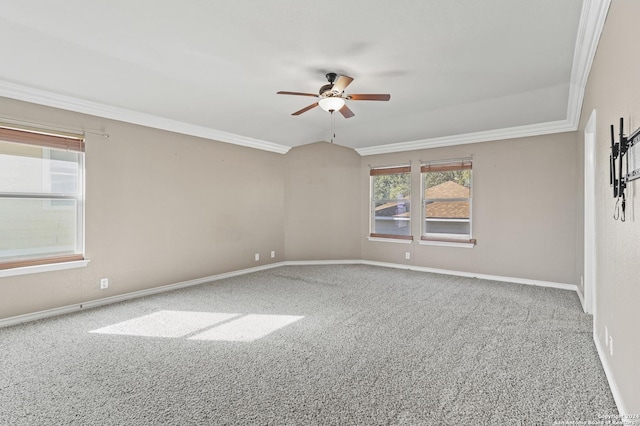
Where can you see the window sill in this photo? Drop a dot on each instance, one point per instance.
(390, 240)
(25, 270)
(448, 243)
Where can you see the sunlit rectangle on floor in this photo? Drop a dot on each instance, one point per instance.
(247, 328)
(166, 324)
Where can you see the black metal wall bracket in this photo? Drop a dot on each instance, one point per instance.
(618, 151)
(624, 172)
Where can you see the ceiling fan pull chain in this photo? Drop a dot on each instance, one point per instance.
(333, 127)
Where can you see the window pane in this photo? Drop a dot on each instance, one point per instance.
(451, 184)
(439, 226)
(37, 228)
(28, 168)
(447, 203)
(391, 204)
(443, 210)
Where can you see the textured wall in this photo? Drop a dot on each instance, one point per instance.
(164, 208)
(160, 208)
(612, 90)
(322, 219)
(524, 209)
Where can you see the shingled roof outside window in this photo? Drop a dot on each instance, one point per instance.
(446, 200)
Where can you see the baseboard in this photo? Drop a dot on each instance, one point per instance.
(322, 262)
(127, 296)
(514, 280)
(581, 297)
(615, 391)
(142, 293)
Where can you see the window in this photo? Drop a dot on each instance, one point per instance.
(391, 202)
(446, 202)
(41, 198)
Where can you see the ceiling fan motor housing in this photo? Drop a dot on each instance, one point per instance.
(326, 89)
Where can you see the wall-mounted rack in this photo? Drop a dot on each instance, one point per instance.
(627, 152)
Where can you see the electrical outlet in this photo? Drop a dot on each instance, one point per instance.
(273, 254)
(407, 255)
(104, 283)
(611, 345)
(257, 257)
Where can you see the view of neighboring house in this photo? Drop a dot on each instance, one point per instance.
(447, 211)
(393, 218)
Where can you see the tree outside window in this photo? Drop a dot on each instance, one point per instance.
(391, 202)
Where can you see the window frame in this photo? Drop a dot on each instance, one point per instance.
(63, 142)
(384, 171)
(442, 238)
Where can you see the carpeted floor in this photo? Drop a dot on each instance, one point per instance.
(312, 345)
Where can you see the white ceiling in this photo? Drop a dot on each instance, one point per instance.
(457, 70)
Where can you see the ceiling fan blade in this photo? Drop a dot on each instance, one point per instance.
(346, 112)
(341, 83)
(296, 93)
(369, 97)
(305, 109)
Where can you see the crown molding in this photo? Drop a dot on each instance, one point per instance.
(468, 138)
(42, 97)
(592, 19)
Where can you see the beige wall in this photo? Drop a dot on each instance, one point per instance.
(322, 219)
(613, 91)
(161, 208)
(524, 209)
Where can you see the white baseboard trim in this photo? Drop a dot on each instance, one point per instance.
(127, 296)
(322, 262)
(151, 291)
(514, 280)
(581, 297)
(615, 391)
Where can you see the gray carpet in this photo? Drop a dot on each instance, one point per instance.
(374, 346)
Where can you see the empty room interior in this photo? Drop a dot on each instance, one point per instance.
(283, 212)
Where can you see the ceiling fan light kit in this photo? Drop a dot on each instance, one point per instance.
(331, 104)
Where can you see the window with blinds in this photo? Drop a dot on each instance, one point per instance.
(41, 197)
(446, 200)
(391, 202)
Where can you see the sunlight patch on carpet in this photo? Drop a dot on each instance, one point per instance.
(166, 324)
(208, 325)
(247, 328)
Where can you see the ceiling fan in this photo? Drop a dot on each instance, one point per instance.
(332, 97)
